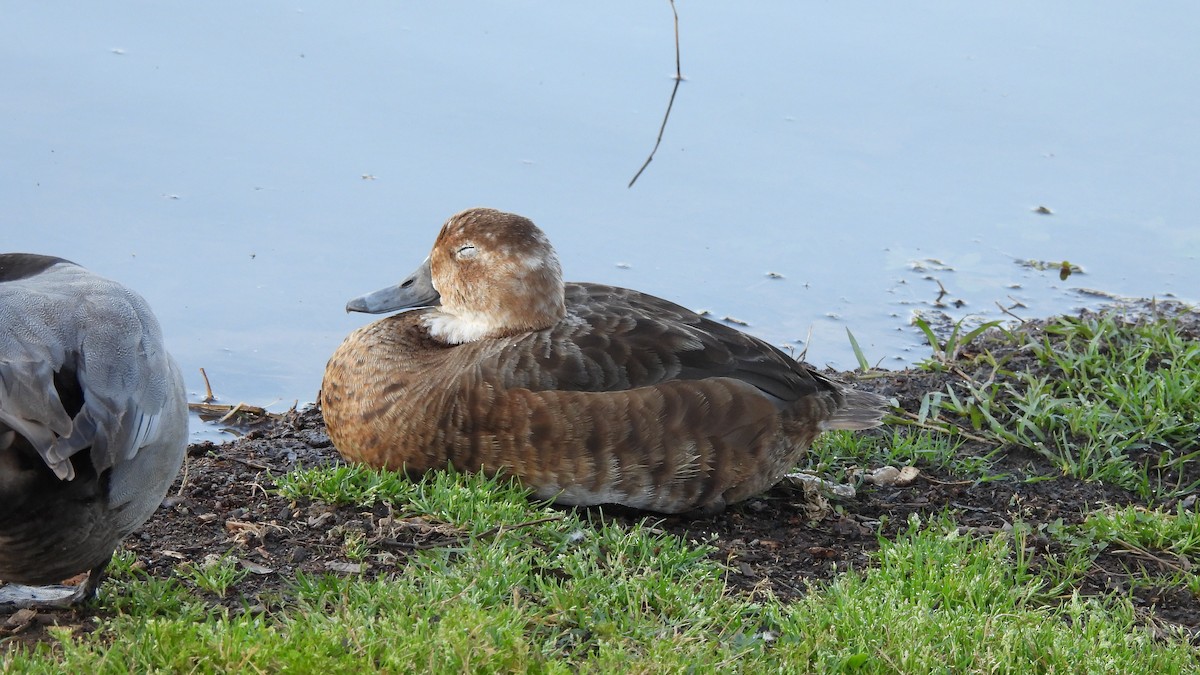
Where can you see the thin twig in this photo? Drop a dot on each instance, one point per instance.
(657, 141)
(1139, 551)
(678, 71)
(955, 370)
(251, 463)
(183, 481)
(977, 509)
(500, 529)
(1008, 311)
(463, 538)
(670, 103)
(945, 430)
(942, 292)
(807, 342)
(233, 411)
(208, 395)
(946, 482)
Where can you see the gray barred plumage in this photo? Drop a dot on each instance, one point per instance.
(93, 422)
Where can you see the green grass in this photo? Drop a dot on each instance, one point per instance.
(1155, 548)
(1108, 400)
(570, 596)
(946, 352)
(1152, 530)
(521, 587)
(836, 452)
(216, 575)
(940, 602)
(346, 485)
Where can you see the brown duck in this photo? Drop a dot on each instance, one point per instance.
(588, 394)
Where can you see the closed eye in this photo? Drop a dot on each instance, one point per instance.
(466, 251)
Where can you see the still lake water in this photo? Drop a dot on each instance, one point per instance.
(249, 166)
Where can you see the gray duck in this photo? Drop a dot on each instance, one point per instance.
(93, 425)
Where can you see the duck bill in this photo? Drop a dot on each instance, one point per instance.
(415, 291)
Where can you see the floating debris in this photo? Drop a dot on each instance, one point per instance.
(1016, 304)
(1044, 211)
(1097, 293)
(774, 275)
(929, 264)
(1063, 267)
(736, 322)
(209, 397)
(368, 176)
(239, 419)
(942, 292)
(623, 266)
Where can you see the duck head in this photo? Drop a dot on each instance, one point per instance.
(490, 274)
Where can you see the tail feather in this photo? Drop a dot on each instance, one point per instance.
(859, 410)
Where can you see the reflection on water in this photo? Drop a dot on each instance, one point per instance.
(250, 166)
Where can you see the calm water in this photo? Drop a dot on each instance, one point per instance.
(250, 166)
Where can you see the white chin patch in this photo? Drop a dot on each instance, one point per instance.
(454, 329)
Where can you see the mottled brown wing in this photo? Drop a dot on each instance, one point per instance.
(615, 339)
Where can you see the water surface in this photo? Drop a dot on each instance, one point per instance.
(250, 166)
